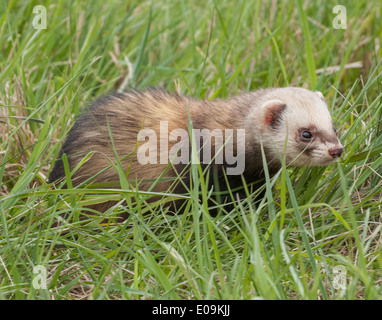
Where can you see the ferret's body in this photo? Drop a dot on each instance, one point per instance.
(148, 130)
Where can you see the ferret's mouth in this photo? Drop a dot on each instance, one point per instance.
(316, 161)
(326, 161)
(324, 157)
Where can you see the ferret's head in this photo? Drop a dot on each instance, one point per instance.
(300, 119)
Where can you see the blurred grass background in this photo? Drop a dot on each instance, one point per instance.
(315, 228)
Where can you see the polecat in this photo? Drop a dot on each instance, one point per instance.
(154, 131)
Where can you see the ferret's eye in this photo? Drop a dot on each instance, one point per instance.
(306, 135)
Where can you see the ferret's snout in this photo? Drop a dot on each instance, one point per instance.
(336, 152)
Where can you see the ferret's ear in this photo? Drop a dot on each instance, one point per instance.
(272, 112)
(320, 95)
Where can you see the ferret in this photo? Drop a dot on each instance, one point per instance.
(152, 133)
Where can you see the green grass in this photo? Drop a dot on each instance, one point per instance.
(313, 222)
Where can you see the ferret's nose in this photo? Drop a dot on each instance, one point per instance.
(336, 152)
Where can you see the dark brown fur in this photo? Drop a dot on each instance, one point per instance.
(126, 114)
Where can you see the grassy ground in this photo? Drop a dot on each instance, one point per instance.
(316, 235)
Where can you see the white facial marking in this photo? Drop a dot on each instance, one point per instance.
(305, 111)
